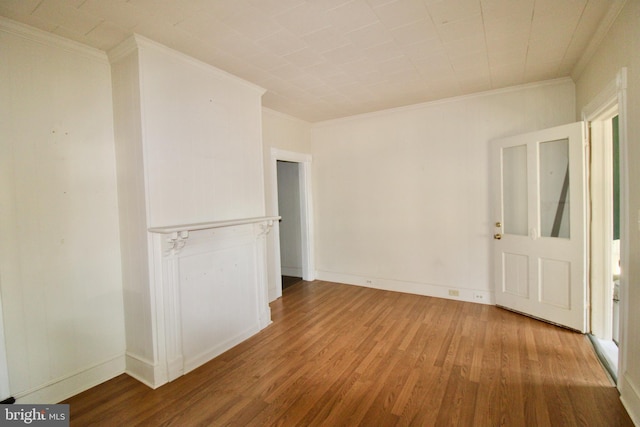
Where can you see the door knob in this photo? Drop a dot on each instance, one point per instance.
(497, 236)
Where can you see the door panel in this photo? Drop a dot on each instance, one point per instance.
(539, 240)
(555, 283)
(516, 274)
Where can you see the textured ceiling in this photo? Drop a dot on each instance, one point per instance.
(324, 59)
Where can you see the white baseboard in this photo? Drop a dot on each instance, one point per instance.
(291, 271)
(630, 397)
(426, 289)
(198, 360)
(150, 374)
(63, 388)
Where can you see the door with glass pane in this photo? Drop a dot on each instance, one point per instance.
(539, 234)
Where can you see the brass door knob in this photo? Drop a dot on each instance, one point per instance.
(497, 236)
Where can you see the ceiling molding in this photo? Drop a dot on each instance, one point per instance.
(123, 50)
(599, 35)
(445, 101)
(284, 116)
(49, 39)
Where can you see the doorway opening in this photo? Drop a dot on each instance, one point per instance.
(606, 116)
(290, 229)
(605, 237)
(293, 258)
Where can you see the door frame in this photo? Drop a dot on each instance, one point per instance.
(600, 175)
(306, 213)
(616, 93)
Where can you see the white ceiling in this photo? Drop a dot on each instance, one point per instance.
(324, 59)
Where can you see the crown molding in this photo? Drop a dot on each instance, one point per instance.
(598, 36)
(49, 39)
(422, 105)
(123, 49)
(285, 116)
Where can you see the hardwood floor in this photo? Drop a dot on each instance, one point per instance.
(345, 355)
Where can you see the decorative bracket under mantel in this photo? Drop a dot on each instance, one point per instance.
(265, 227)
(176, 241)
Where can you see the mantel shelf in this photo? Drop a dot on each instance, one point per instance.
(213, 224)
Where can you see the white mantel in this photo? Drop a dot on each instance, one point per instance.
(213, 281)
(171, 229)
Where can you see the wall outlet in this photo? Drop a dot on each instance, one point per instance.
(369, 282)
(454, 293)
(477, 296)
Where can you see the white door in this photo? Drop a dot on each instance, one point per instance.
(539, 235)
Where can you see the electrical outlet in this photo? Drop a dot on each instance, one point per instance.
(369, 282)
(454, 293)
(477, 296)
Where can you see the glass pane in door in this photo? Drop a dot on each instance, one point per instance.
(515, 205)
(554, 188)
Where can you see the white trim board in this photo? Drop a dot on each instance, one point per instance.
(630, 398)
(417, 288)
(413, 107)
(50, 39)
(616, 93)
(62, 388)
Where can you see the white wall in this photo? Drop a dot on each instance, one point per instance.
(289, 210)
(202, 141)
(59, 247)
(620, 49)
(402, 196)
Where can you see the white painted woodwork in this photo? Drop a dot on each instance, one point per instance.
(214, 280)
(189, 151)
(516, 274)
(616, 61)
(544, 277)
(403, 198)
(60, 268)
(605, 83)
(601, 231)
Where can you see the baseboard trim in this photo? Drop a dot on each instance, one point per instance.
(148, 373)
(208, 355)
(630, 397)
(425, 289)
(68, 386)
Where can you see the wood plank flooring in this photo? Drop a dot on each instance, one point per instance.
(339, 355)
